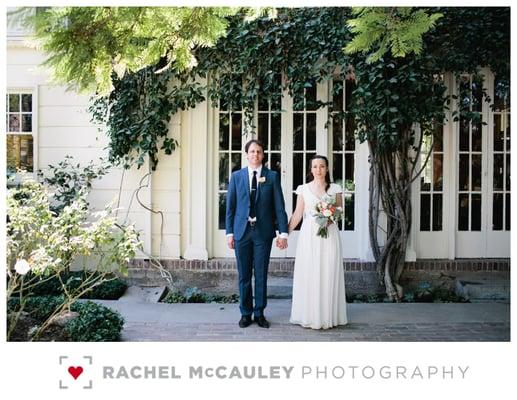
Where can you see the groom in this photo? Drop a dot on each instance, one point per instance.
(253, 204)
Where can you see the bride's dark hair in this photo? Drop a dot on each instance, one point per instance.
(310, 177)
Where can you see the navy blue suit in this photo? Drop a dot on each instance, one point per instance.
(253, 243)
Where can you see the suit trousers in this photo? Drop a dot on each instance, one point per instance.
(252, 253)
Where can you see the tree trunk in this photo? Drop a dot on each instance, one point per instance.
(390, 187)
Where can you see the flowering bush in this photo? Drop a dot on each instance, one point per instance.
(46, 243)
(327, 212)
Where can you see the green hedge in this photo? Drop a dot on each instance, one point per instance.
(95, 323)
(109, 290)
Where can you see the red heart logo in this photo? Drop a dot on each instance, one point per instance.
(75, 371)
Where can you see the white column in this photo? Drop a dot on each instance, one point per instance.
(194, 182)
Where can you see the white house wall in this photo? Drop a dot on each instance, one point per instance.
(62, 127)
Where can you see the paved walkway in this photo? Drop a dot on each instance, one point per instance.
(422, 322)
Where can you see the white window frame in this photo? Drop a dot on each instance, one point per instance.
(35, 125)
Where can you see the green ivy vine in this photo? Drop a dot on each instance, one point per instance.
(305, 46)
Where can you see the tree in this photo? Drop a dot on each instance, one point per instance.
(398, 30)
(85, 45)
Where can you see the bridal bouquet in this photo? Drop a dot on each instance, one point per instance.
(327, 212)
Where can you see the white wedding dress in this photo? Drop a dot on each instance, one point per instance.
(319, 284)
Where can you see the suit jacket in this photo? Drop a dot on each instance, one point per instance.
(269, 204)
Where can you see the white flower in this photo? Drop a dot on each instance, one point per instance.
(22, 266)
(327, 213)
(324, 204)
(262, 179)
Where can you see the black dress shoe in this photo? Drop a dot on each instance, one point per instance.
(262, 322)
(245, 321)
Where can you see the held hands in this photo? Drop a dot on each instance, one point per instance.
(281, 243)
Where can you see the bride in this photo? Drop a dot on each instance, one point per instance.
(319, 284)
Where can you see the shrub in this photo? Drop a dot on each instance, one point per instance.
(110, 288)
(95, 323)
(38, 307)
(194, 295)
(42, 244)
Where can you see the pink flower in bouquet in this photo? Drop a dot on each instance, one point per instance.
(326, 213)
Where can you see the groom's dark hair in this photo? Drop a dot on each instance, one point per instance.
(257, 142)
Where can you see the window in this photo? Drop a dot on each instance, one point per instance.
(343, 148)
(19, 132)
(304, 140)
(470, 155)
(501, 161)
(230, 152)
(431, 182)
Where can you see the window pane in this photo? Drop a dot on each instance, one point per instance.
(26, 122)
(14, 102)
(276, 136)
(464, 135)
(501, 95)
(498, 134)
(350, 133)
(263, 129)
(463, 212)
(507, 212)
(425, 212)
(224, 132)
(477, 94)
(337, 133)
(337, 96)
(337, 169)
(438, 171)
(237, 131)
(437, 212)
(222, 210)
(438, 138)
(349, 171)
(464, 172)
(476, 172)
(508, 132)
(310, 98)
(311, 131)
(14, 122)
(498, 171)
(507, 171)
(476, 136)
(27, 102)
(20, 153)
(298, 131)
(236, 162)
(263, 103)
(276, 162)
(349, 200)
(297, 170)
(497, 212)
(476, 213)
(349, 88)
(223, 171)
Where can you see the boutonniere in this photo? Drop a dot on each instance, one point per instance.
(262, 179)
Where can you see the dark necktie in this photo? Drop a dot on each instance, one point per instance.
(253, 194)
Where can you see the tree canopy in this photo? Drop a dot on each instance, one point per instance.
(85, 45)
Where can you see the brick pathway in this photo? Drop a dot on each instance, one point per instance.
(403, 332)
(406, 322)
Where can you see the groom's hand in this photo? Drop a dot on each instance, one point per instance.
(231, 242)
(281, 243)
